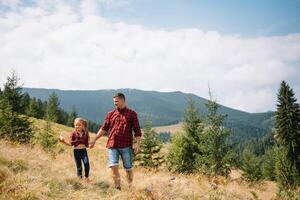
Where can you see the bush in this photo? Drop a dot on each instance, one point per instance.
(13, 126)
(150, 148)
(286, 173)
(185, 147)
(46, 138)
(179, 157)
(268, 167)
(251, 167)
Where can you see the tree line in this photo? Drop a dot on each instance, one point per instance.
(203, 147)
(50, 109)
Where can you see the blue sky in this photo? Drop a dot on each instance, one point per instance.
(246, 18)
(242, 49)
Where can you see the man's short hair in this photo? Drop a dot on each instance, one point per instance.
(119, 95)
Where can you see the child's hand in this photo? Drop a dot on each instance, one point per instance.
(61, 138)
(91, 144)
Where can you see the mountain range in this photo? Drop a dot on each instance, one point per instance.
(162, 108)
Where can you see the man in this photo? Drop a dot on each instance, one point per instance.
(119, 124)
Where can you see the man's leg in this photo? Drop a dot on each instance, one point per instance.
(113, 156)
(126, 154)
(116, 176)
(129, 175)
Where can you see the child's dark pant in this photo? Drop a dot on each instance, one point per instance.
(81, 154)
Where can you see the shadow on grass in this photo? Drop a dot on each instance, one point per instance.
(75, 183)
(102, 186)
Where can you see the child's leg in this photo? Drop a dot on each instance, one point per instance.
(86, 163)
(77, 156)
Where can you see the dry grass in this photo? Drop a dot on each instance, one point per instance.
(171, 128)
(28, 172)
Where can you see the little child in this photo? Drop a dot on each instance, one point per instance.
(80, 140)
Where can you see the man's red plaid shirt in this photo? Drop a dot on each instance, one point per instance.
(119, 124)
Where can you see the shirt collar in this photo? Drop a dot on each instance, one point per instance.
(122, 110)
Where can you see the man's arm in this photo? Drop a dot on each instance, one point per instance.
(137, 149)
(100, 133)
(103, 129)
(138, 133)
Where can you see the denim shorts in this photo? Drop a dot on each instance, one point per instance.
(126, 156)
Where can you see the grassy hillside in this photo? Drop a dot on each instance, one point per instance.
(170, 128)
(27, 172)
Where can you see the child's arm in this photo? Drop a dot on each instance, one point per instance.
(62, 140)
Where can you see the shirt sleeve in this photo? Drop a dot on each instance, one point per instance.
(106, 123)
(136, 126)
(73, 139)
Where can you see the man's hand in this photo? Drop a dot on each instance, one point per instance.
(99, 134)
(137, 149)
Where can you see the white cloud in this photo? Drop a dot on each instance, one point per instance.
(71, 47)
(257, 100)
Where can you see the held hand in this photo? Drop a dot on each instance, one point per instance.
(92, 144)
(137, 149)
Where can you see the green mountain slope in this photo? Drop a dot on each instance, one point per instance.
(162, 108)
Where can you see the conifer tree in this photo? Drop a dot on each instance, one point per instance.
(251, 167)
(12, 93)
(52, 110)
(287, 136)
(33, 108)
(185, 147)
(214, 146)
(150, 148)
(13, 126)
(72, 116)
(47, 138)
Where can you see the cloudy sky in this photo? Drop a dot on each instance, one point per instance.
(242, 49)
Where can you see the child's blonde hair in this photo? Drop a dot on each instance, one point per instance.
(84, 123)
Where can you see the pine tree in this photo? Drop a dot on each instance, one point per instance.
(185, 147)
(42, 106)
(72, 116)
(13, 126)
(150, 148)
(63, 117)
(251, 167)
(33, 108)
(93, 126)
(52, 110)
(46, 137)
(214, 146)
(12, 93)
(287, 136)
(286, 172)
(25, 101)
(268, 166)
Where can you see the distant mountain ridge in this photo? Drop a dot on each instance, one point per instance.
(162, 108)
